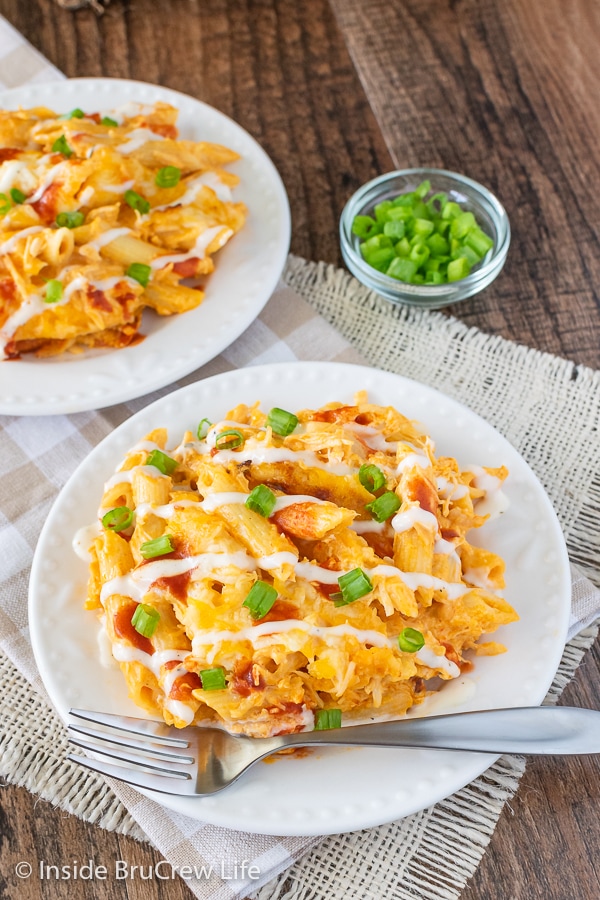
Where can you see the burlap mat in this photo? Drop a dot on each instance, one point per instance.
(542, 405)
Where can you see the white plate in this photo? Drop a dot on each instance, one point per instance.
(335, 789)
(246, 272)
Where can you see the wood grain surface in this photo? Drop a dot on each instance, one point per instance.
(337, 92)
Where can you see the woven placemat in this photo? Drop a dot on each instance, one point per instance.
(434, 852)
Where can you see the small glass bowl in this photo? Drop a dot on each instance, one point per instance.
(471, 196)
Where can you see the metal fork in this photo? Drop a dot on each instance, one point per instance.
(198, 761)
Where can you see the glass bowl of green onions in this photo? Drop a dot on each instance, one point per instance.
(424, 237)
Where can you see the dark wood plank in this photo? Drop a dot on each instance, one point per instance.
(506, 93)
(279, 68)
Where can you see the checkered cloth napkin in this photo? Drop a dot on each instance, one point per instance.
(37, 455)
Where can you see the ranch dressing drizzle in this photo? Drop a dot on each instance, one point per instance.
(262, 635)
(107, 237)
(372, 437)
(84, 538)
(495, 501)
(136, 139)
(411, 460)
(198, 251)
(9, 245)
(154, 662)
(126, 477)
(47, 180)
(408, 518)
(193, 188)
(257, 454)
(448, 490)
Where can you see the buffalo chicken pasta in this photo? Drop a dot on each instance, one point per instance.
(278, 572)
(102, 215)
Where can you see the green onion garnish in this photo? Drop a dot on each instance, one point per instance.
(228, 440)
(60, 146)
(213, 679)
(75, 114)
(260, 599)
(17, 195)
(410, 640)
(203, 428)
(157, 547)
(353, 585)
(136, 201)
(385, 506)
(70, 219)
(117, 519)
(140, 272)
(328, 718)
(261, 500)
(371, 478)
(404, 236)
(54, 291)
(5, 204)
(106, 120)
(168, 177)
(281, 421)
(145, 619)
(162, 462)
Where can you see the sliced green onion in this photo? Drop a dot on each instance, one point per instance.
(261, 500)
(117, 519)
(405, 234)
(410, 640)
(365, 226)
(106, 120)
(458, 269)
(371, 477)
(162, 462)
(353, 585)
(17, 195)
(260, 599)
(60, 146)
(140, 272)
(54, 291)
(385, 506)
(327, 718)
(75, 114)
(137, 202)
(203, 428)
(168, 177)
(423, 189)
(5, 204)
(213, 679)
(229, 440)
(70, 219)
(157, 547)
(145, 619)
(281, 422)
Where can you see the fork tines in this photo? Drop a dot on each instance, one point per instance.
(159, 760)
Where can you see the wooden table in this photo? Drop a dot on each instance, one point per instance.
(338, 92)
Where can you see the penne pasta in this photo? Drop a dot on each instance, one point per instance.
(298, 568)
(101, 217)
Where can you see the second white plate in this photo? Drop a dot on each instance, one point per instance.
(332, 790)
(246, 273)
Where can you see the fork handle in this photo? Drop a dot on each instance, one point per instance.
(545, 730)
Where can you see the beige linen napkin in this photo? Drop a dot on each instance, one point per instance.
(429, 347)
